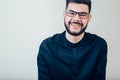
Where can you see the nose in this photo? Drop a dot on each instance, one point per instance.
(76, 17)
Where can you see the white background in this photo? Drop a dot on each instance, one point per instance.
(25, 23)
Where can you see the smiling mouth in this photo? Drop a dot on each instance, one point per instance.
(76, 24)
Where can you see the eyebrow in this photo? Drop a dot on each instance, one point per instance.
(72, 10)
(78, 12)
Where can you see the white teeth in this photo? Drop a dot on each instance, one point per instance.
(74, 24)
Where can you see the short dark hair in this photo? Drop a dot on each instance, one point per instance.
(87, 2)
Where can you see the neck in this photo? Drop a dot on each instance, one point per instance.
(74, 39)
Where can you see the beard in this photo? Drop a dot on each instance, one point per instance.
(75, 33)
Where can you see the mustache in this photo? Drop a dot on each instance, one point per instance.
(81, 24)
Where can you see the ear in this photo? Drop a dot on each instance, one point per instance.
(89, 18)
(64, 13)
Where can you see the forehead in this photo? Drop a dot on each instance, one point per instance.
(78, 7)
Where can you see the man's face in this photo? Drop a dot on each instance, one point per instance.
(76, 18)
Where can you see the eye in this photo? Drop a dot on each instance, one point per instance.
(71, 13)
(83, 15)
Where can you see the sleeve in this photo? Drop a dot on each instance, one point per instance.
(100, 70)
(43, 71)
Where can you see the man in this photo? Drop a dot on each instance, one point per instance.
(73, 54)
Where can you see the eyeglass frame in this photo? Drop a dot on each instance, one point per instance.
(79, 14)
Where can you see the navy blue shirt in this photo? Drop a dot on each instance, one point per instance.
(59, 59)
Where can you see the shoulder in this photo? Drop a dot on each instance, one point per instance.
(96, 39)
(51, 40)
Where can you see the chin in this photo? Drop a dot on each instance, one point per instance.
(75, 31)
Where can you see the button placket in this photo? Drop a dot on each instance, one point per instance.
(74, 62)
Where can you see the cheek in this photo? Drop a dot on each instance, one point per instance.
(85, 22)
(67, 20)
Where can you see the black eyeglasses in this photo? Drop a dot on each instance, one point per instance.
(82, 15)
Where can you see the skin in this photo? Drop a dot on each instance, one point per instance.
(73, 27)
